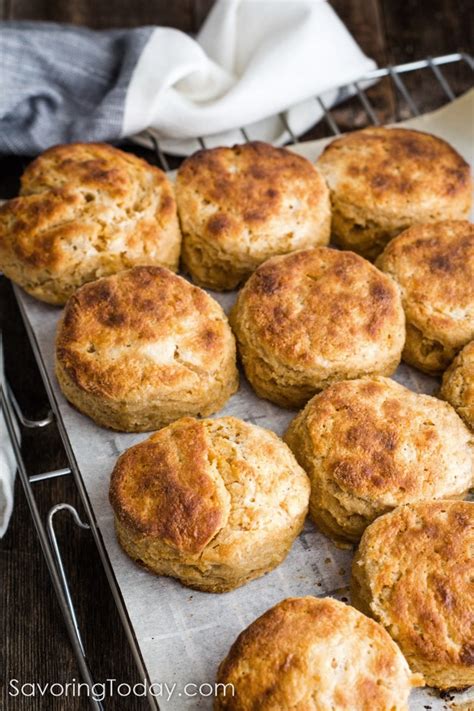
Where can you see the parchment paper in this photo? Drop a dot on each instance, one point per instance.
(183, 634)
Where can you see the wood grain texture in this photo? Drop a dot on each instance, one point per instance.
(420, 29)
(34, 645)
(186, 15)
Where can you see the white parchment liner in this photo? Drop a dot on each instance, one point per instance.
(183, 634)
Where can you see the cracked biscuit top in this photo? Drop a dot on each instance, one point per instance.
(413, 572)
(310, 654)
(86, 211)
(215, 492)
(370, 445)
(434, 266)
(458, 384)
(397, 174)
(321, 308)
(239, 206)
(142, 335)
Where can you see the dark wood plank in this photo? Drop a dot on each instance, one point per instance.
(35, 644)
(186, 15)
(414, 30)
(366, 24)
(100, 14)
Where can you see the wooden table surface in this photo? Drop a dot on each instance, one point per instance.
(34, 643)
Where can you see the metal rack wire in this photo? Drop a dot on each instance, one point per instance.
(14, 416)
(432, 65)
(48, 540)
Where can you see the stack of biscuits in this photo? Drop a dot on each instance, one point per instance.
(217, 502)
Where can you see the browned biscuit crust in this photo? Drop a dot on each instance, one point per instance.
(85, 211)
(213, 503)
(382, 180)
(310, 318)
(370, 445)
(413, 573)
(139, 349)
(239, 206)
(310, 654)
(458, 384)
(434, 266)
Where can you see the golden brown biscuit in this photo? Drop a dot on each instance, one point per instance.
(382, 180)
(458, 384)
(370, 445)
(86, 210)
(310, 654)
(213, 503)
(139, 349)
(413, 573)
(307, 319)
(434, 266)
(239, 206)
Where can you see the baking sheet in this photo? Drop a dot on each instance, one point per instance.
(182, 634)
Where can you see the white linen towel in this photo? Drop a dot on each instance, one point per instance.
(7, 463)
(252, 60)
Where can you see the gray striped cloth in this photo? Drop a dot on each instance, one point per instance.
(251, 62)
(60, 84)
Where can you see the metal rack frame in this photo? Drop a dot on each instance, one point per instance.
(395, 72)
(14, 417)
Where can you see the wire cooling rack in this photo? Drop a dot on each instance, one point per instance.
(434, 68)
(423, 69)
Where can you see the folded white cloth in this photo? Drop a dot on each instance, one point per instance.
(7, 464)
(252, 60)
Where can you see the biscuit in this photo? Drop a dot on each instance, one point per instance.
(314, 654)
(413, 573)
(382, 180)
(213, 503)
(310, 318)
(370, 445)
(239, 206)
(434, 266)
(139, 349)
(458, 384)
(86, 210)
